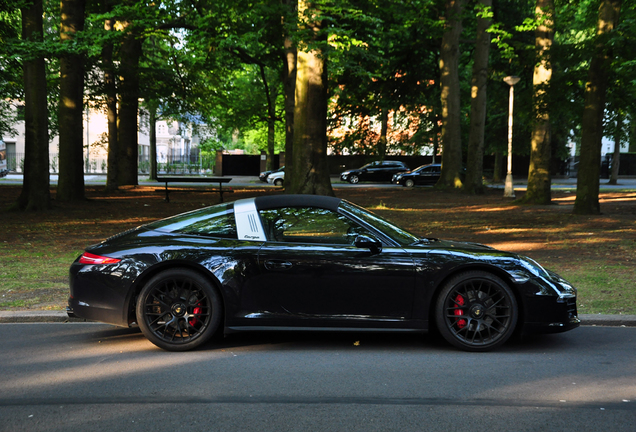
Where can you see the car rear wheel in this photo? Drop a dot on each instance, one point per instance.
(278, 182)
(409, 183)
(354, 179)
(178, 310)
(476, 311)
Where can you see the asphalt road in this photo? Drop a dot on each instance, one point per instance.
(95, 377)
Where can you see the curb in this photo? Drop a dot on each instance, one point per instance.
(60, 316)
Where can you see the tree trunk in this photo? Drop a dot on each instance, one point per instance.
(152, 106)
(498, 168)
(451, 108)
(310, 173)
(632, 134)
(475, 158)
(270, 95)
(587, 185)
(539, 181)
(35, 194)
(616, 157)
(382, 143)
(289, 82)
(71, 121)
(129, 112)
(110, 85)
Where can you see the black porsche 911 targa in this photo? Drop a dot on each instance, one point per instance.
(306, 262)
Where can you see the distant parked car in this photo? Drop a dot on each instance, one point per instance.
(425, 174)
(378, 171)
(276, 178)
(263, 176)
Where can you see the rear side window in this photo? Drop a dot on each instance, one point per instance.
(215, 221)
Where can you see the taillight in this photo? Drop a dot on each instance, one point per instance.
(89, 258)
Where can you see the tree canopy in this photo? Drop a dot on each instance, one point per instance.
(397, 77)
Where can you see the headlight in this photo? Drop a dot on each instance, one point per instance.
(534, 267)
(346, 173)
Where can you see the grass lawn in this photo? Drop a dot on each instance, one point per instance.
(596, 253)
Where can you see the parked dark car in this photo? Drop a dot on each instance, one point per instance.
(263, 176)
(307, 262)
(425, 174)
(378, 171)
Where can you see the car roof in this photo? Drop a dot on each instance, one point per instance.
(278, 201)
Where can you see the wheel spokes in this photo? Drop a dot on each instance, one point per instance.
(483, 314)
(177, 311)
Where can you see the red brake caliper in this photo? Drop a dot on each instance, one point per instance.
(196, 311)
(459, 300)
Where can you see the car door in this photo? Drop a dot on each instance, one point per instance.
(311, 272)
(428, 175)
(373, 172)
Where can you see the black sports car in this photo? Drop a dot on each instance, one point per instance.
(378, 171)
(425, 174)
(306, 262)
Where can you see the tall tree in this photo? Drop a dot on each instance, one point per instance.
(451, 106)
(616, 156)
(310, 174)
(127, 164)
(110, 92)
(539, 181)
(587, 186)
(289, 77)
(35, 194)
(475, 158)
(71, 103)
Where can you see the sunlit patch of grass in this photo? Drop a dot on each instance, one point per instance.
(17, 303)
(602, 288)
(33, 266)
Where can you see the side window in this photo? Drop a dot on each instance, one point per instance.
(220, 226)
(217, 221)
(309, 225)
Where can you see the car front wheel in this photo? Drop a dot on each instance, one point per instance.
(278, 182)
(178, 310)
(476, 311)
(354, 179)
(409, 183)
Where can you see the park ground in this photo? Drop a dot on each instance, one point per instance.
(596, 253)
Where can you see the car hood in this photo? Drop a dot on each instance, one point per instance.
(461, 246)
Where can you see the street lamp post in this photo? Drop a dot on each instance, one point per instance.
(509, 190)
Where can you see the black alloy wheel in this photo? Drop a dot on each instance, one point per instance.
(354, 179)
(476, 311)
(178, 310)
(409, 183)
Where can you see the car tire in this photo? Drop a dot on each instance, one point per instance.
(354, 179)
(476, 311)
(178, 310)
(409, 183)
(278, 182)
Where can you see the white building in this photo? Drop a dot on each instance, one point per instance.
(176, 142)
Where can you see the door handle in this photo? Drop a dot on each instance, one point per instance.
(278, 265)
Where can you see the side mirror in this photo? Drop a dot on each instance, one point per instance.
(368, 242)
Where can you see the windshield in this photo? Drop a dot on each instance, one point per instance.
(401, 236)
